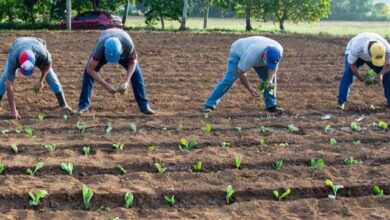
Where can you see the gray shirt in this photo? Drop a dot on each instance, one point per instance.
(127, 44)
(250, 50)
(36, 45)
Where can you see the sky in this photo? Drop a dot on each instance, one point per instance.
(385, 1)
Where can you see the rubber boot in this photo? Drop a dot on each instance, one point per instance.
(62, 102)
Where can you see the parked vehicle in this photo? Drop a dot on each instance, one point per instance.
(94, 20)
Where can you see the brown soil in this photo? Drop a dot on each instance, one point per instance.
(180, 70)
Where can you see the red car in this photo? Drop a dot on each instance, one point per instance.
(94, 20)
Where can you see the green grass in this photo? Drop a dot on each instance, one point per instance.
(340, 28)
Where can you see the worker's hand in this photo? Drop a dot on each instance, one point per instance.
(254, 92)
(110, 88)
(360, 77)
(122, 88)
(15, 114)
(380, 78)
(38, 87)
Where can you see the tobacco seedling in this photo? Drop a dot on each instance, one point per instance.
(67, 167)
(118, 145)
(238, 129)
(292, 128)
(121, 169)
(36, 198)
(237, 161)
(129, 198)
(65, 117)
(354, 126)
(1, 168)
(86, 150)
(207, 128)
(263, 129)
(50, 147)
(29, 131)
(334, 188)
(170, 200)
(36, 90)
(133, 127)
(382, 125)
(316, 163)
(350, 161)
(41, 116)
(327, 128)
(283, 144)
(185, 145)
(266, 85)
(225, 144)
(14, 148)
(262, 142)
(38, 166)
(378, 192)
(229, 194)
(87, 196)
(332, 141)
(198, 166)
(81, 126)
(109, 128)
(277, 165)
(357, 142)
(159, 168)
(206, 115)
(279, 196)
(369, 78)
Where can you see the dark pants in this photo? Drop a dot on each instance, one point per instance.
(137, 82)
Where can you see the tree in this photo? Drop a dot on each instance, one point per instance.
(206, 9)
(184, 15)
(295, 10)
(158, 10)
(247, 7)
(351, 9)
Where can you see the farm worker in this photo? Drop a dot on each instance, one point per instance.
(365, 48)
(25, 54)
(262, 54)
(113, 46)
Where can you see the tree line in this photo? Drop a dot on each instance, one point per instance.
(158, 11)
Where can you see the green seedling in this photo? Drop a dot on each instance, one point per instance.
(50, 147)
(36, 90)
(170, 200)
(121, 89)
(283, 144)
(104, 208)
(263, 129)
(185, 145)
(41, 116)
(1, 168)
(237, 161)
(332, 141)
(373, 124)
(198, 166)
(266, 85)
(67, 167)
(334, 188)
(36, 198)
(292, 128)
(206, 115)
(229, 194)
(350, 161)
(279, 196)
(65, 117)
(327, 128)
(238, 129)
(133, 127)
(262, 142)
(151, 148)
(14, 148)
(277, 165)
(159, 168)
(225, 144)
(383, 125)
(38, 166)
(109, 128)
(316, 163)
(357, 142)
(29, 131)
(354, 126)
(121, 169)
(86, 150)
(87, 196)
(118, 145)
(5, 132)
(129, 198)
(207, 128)
(369, 78)
(378, 192)
(81, 126)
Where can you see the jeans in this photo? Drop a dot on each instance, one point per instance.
(137, 82)
(348, 78)
(230, 77)
(51, 78)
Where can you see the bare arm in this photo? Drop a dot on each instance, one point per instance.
(244, 80)
(355, 72)
(385, 70)
(11, 101)
(91, 71)
(130, 72)
(271, 74)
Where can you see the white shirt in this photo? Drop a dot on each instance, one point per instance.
(250, 49)
(358, 47)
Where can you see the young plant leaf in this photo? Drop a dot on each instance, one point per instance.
(129, 198)
(67, 167)
(50, 147)
(383, 125)
(327, 128)
(159, 168)
(354, 126)
(198, 166)
(36, 198)
(357, 142)
(14, 148)
(38, 166)
(279, 196)
(109, 128)
(262, 142)
(185, 145)
(292, 128)
(1, 168)
(118, 145)
(229, 194)
(121, 169)
(378, 192)
(277, 165)
(170, 200)
(87, 196)
(81, 126)
(225, 144)
(238, 129)
(29, 131)
(315, 163)
(133, 127)
(263, 129)
(237, 161)
(207, 128)
(41, 116)
(86, 150)
(283, 144)
(350, 161)
(332, 141)
(151, 148)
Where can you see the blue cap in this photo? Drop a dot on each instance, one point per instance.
(112, 50)
(273, 57)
